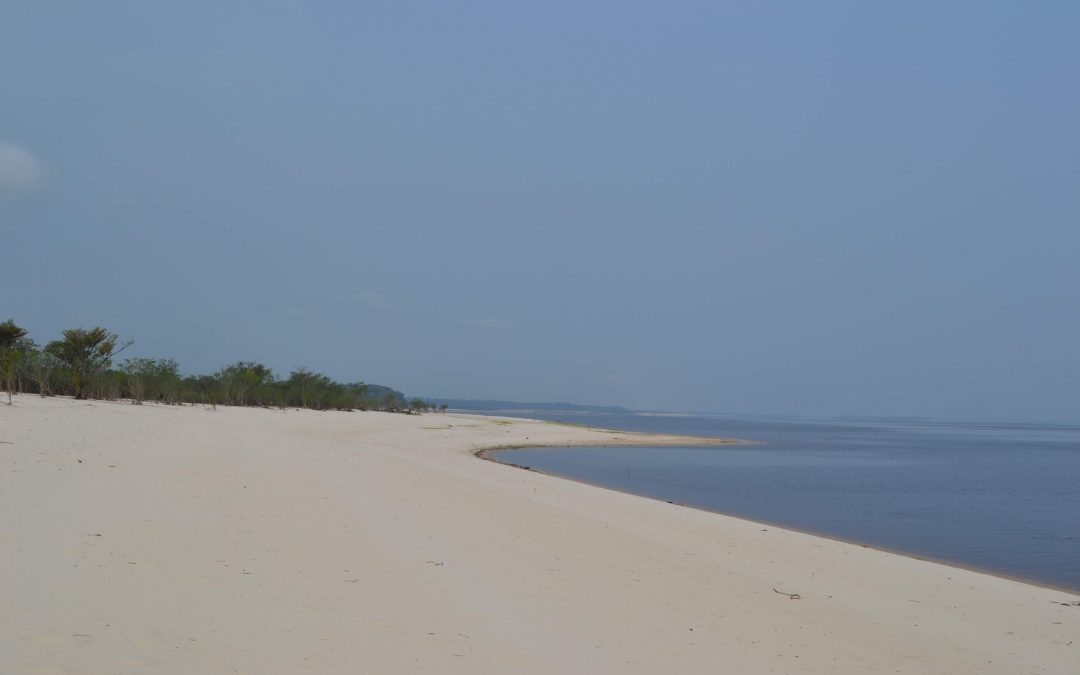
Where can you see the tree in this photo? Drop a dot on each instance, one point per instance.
(200, 389)
(10, 334)
(11, 352)
(41, 365)
(81, 364)
(149, 378)
(303, 385)
(166, 381)
(392, 403)
(137, 372)
(85, 352)
(357, 393)
(245, 379)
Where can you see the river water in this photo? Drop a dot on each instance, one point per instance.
(1004, 498)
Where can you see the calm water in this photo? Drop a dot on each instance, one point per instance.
(1002, 498)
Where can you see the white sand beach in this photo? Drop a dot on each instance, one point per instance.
(163, 539)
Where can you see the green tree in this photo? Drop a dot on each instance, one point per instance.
(303, 386)
(135, 373)
(40, 365)
(357, 394)
(84, 353)
(200, 389)
(157, 379)
(245, 382)
(392, 403)
(165, 381)
(12, 348)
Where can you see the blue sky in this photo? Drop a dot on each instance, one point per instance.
(808, 208)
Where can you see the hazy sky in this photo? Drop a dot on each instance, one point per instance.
(810, 207)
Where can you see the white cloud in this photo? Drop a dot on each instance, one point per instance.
(20, 171)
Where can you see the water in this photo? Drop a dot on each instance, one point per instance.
(998, 497)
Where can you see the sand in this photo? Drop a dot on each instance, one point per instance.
(156, 539)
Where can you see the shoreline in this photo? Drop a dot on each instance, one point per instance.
(175, 539)
(485, 454)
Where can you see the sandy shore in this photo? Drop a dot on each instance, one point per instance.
(182, 540)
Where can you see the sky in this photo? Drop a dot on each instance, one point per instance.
(828, 208)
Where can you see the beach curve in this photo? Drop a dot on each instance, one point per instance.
(180, 539)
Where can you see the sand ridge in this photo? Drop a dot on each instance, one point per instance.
(164, 539)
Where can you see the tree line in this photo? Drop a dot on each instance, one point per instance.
(84, 363)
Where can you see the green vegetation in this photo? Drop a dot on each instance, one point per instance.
(82, 364)
(13, 345)
(85, 353)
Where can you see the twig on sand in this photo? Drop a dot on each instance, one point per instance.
(435, 563)
(793, 596)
